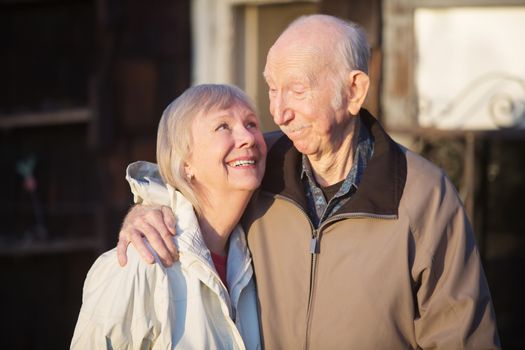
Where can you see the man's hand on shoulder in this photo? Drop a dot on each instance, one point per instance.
(156, 224)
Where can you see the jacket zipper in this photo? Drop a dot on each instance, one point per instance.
(359, 215)
(315, 249)
(236, 285)
(315, 245)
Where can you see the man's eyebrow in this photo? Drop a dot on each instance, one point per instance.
(311, 78)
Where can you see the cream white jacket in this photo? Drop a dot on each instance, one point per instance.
(185, 306)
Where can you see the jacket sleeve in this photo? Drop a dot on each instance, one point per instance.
(452, 294)
(118, 309)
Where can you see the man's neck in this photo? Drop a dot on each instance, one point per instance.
(333, 167)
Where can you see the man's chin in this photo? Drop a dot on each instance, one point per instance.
(302, 146)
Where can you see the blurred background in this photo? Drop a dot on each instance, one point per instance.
(83, 84)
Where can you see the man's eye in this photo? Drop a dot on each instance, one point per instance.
(272, 92)
(298, 90)
(223, 126)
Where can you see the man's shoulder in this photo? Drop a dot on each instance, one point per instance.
(421, 167)
(272, 137)
(280, 148)
(427, 183)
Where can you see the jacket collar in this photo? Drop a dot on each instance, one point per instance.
(381, 186)
(189, 239)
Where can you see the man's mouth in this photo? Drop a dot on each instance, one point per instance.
(294, 129)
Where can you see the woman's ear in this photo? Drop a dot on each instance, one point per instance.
(357, 87)
(189, 173)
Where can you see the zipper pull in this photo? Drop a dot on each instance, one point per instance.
(314, 245)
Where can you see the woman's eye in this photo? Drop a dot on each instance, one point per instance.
(223, 126)
(251, 125)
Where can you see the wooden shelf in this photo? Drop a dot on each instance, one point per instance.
(61, 117)
(49, 247)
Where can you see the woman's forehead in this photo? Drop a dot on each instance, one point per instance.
(227, 109)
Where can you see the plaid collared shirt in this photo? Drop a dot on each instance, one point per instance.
(318, 208)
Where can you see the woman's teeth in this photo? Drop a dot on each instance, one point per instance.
(242, 163)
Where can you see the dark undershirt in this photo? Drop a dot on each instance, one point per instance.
(330, 191)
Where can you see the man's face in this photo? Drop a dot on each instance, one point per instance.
(302, 92)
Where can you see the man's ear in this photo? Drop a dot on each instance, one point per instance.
(357, 87)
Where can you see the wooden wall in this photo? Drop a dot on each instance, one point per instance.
(83, 86)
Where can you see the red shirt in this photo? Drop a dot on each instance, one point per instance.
(220, 265)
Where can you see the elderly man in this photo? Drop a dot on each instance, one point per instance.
(356, 242)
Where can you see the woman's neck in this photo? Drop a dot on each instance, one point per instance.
(219, 216)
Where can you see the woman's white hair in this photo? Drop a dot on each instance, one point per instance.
(174, 140)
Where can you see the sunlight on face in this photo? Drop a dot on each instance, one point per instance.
(302, 93)
(228, 152)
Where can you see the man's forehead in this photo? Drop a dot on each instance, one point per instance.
(298, 66)
(298, 45)
(290, 75)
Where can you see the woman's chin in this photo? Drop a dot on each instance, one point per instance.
(246, 184)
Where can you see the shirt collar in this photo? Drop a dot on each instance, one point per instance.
(363, 153)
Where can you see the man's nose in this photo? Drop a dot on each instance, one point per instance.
(280, 110)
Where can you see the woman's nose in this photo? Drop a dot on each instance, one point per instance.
(244, 137)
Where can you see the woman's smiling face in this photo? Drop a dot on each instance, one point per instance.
(228, 152)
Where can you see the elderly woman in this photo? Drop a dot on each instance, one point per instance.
(210, 149)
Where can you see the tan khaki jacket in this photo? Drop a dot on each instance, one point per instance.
(395, 268)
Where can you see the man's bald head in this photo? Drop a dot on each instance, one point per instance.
(342, 45)
(317, 82)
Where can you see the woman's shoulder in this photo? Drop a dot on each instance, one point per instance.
(106, 272)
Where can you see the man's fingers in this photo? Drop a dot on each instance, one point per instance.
(169, 221)
(157, 241)
(122, 247)
(154, 224)
(138, 242)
